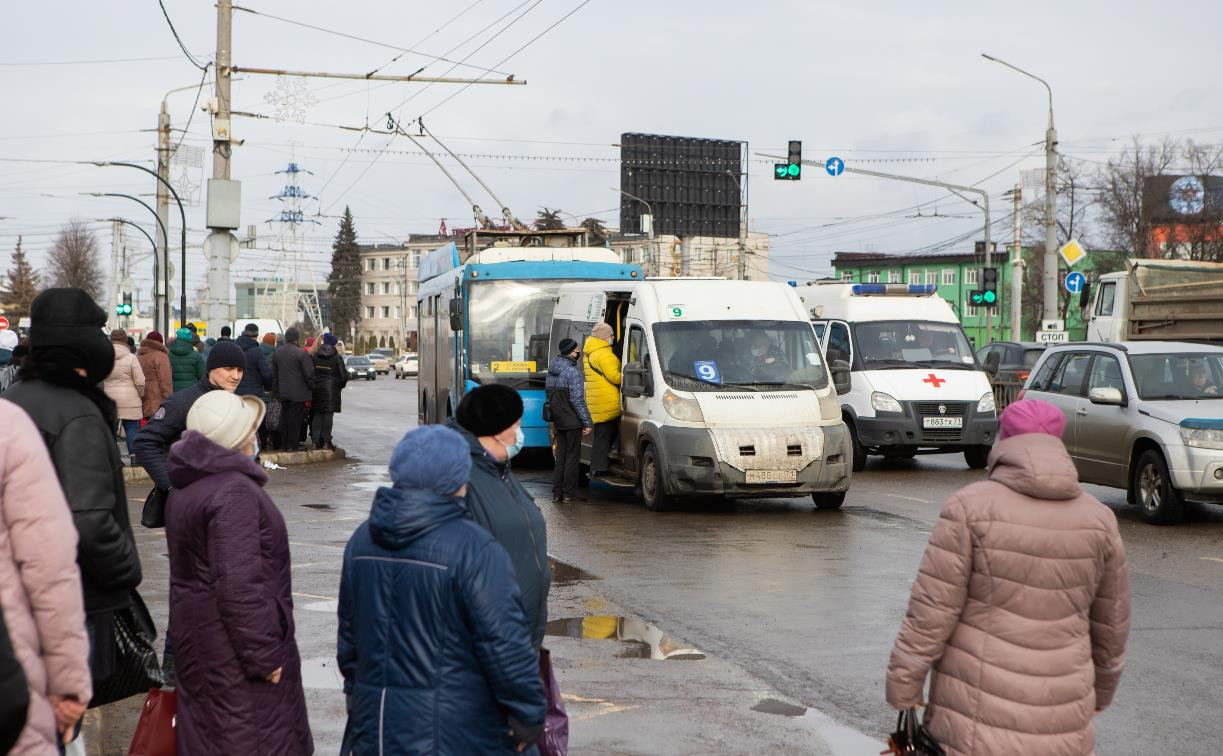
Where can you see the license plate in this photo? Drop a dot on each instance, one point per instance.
(772, 476)
(942, 422)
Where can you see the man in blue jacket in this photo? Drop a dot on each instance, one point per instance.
(565, 387)
(432, 643)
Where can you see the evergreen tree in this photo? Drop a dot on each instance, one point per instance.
(344, 281)
(22, 286)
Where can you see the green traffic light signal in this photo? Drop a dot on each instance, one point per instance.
(976, 297)
(990, 297)
(795, 169)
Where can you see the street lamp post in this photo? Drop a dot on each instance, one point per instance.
(1049, 275)
(161, 226)
(653, 245)
(742, 232)
(182, 214)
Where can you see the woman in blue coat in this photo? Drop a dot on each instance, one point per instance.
(231, 606)
(433, 645)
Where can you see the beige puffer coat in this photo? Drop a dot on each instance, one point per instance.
(1021, 608)
(125, 384)
(40, 584)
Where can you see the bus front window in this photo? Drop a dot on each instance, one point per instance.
(509, 323)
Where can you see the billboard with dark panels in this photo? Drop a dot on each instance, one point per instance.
(1183, 198)
(691, 184)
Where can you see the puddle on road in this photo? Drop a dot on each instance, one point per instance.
(840, 739)
(640, 639)
(321, 673)
(774, 706)
(566, 574)
(319, 506)
(888, 518)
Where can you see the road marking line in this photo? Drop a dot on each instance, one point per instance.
(314, 596)
(896, 496)
(1212, 559)
(316, 545)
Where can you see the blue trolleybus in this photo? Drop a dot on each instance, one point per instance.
(485, 316)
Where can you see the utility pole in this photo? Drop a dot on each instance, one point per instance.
(112, 283)
(1050, 261)
(224, 199)
(1017, 269)
(161, 251)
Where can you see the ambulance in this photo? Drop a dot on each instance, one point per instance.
(723, 390)
(915, 386)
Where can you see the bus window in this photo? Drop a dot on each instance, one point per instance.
(509, 324)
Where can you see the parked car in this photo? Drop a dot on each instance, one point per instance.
(1015, 359)
(360, 367)
(1146, 416)
(380, 362)
(406, 365)
(386, 352)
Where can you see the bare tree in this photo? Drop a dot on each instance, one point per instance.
(1125, 215)
(1202, 237)
(73, 260)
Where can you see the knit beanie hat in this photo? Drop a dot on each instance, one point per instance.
(119, 336)
(183, 333)
(8, 340)
(433, 458)
(567, 346)
(225, 419)
(154, 336)
(210, 341)
(226, 354)
(603, 331)
(291, 335)
(70, 319)
(489, 410)
(252, 330)
(1031, 416)
(269, 338)
(329, 339)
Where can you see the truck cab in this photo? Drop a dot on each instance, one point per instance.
(724, 390)
(915, 385)
(1154, 300)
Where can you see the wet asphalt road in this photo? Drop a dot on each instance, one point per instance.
(788, 603)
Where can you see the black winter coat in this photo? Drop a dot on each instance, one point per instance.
(152, 444)
(86, 458)
(499, 503)
(257, 375)
(293, 374)
(432, 644)
(330, 377)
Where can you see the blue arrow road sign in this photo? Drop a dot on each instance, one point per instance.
(1075, 282)
(835, 166)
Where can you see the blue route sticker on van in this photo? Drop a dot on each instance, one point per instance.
(707, 371)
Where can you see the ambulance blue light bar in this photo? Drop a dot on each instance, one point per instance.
(893, 290)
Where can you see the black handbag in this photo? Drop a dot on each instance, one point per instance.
(136, 667)
(912, 738)
(154, 513)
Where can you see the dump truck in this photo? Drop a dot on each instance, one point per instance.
(1162, 300)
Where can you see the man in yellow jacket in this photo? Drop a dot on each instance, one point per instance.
(602, 370)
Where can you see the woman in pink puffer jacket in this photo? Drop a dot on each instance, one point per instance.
(1021, 606)
(40, 586)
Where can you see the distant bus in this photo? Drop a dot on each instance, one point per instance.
(484, 316)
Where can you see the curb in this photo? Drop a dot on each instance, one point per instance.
(285, 459)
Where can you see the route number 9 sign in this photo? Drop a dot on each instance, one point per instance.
(674, 311)
(707, 371)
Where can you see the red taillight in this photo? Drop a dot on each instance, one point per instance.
(1023, 374)
(1019, 396)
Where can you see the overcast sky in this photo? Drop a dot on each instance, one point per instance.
(895, 86)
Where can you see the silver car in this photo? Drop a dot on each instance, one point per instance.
(1146, 416)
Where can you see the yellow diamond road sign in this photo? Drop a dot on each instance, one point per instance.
(1072, 252)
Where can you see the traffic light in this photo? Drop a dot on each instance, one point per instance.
(989, 286)
(124, 307)
(792, 169)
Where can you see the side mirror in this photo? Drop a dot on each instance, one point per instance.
(1085, 296)
(635, 381)
(992, 362)
(1106, 395)
(840, 376)
(456, 314)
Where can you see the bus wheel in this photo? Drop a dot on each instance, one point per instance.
(828, 499)
(653, 492)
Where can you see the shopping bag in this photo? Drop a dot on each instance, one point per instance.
(154, 734)
(136, 667)
(911, 738)
(555, 740)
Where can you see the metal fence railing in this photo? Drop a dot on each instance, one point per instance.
(1005, 392)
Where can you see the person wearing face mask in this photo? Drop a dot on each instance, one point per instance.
(490, 420)
(433, 644)
(231, 604)
(58, 387)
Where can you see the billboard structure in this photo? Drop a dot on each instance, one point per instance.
(693, 186)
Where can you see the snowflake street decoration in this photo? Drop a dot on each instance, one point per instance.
(291, 99)
(187, 186)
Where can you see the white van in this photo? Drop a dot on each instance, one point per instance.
(724, 391)
(915, 385)
(266, 325)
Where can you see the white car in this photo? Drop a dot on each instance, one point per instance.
(406, 365)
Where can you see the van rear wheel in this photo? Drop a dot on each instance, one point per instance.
(653, 489)
(825, 500)
(977, 457)
(859, 461)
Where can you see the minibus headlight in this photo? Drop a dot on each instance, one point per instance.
(985, 405)
(688, 410)
(882, 402)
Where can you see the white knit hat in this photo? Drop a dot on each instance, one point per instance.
(8, 340)
(224, 418)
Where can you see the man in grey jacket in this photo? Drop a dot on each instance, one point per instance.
(293, 382)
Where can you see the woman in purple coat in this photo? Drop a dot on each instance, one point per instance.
(231, 611)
